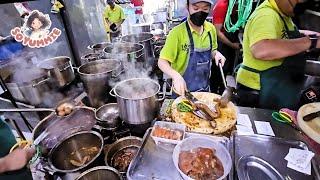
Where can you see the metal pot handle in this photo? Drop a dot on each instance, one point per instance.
(40, 82)
(116, 75)
(164, 88)
(65, 68)
(136, 57)
(112, 92)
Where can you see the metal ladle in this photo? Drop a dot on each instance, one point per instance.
(55, 110)
(228, 91)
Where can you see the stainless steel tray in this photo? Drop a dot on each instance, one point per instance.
(272, 150)
(155, 162)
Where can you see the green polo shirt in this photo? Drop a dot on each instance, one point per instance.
(176, 48)
(114, 15)
(264, 23)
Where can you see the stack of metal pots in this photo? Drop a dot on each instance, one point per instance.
(127, 53)
(146, 39)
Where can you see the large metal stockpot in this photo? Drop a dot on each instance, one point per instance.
(143, 38)
(29, 86)
(90, 57)
(72, 146)
(126, 52)
(100, 173)
(98, 47)
(96, 77)
(60, 69)
(137, 100)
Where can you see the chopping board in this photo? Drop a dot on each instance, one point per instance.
(225, 122)
(310, 128)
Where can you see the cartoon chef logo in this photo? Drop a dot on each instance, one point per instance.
(35, 32)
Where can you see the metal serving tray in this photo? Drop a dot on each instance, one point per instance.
(155, 162)
(270, 149)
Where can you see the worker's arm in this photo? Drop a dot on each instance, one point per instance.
(178, 82)
(224, 39)
(272, 49)
(16, 160)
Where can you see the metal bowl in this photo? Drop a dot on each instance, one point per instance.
(108, 116)
(121, 144)
(100, 173)
(312, 68)
(59, 156)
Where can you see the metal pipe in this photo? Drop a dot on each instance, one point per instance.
(27, 110)
(5, 88)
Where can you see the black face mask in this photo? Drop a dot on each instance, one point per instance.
(198, 18)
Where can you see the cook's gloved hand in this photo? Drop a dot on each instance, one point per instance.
(179, 84)
(219, 57)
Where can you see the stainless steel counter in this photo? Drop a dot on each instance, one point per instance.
(280, 130)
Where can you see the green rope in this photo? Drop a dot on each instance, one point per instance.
(244, 11)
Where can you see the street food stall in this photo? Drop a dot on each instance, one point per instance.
(95, 109)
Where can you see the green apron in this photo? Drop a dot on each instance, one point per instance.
(281, 85)
(7, 140)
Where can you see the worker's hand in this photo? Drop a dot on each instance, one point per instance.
(179, 84)
(235, 45)
(18, 158)
(308, 32)
(219, 57)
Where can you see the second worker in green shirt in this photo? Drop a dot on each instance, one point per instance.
(189, 49)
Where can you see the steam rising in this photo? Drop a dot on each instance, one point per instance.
(23, 69)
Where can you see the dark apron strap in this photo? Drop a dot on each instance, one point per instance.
(191, 37)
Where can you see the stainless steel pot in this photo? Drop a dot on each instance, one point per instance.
(60, 69)
(29, 90)
(137, 100)
(108, 116)
(141, 28)
(100, 173)
(126, 52)
(59, 156)
(123, 143)
(90, 57)
(96, 76)
(146, 39)
(312, 68)
(98, 47)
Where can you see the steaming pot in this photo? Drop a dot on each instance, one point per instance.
(96, 76)
(31, 90)
(137, 100)
(60, 69)
(126, 52)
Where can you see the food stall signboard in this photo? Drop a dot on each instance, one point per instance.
(35, 32)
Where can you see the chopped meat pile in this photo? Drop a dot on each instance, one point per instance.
(201, 164)
(167, 133)
(122, 159)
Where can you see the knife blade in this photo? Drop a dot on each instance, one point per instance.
(311, 116)
(190, 97)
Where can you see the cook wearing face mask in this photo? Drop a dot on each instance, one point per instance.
(272, 73)
(189, 49)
